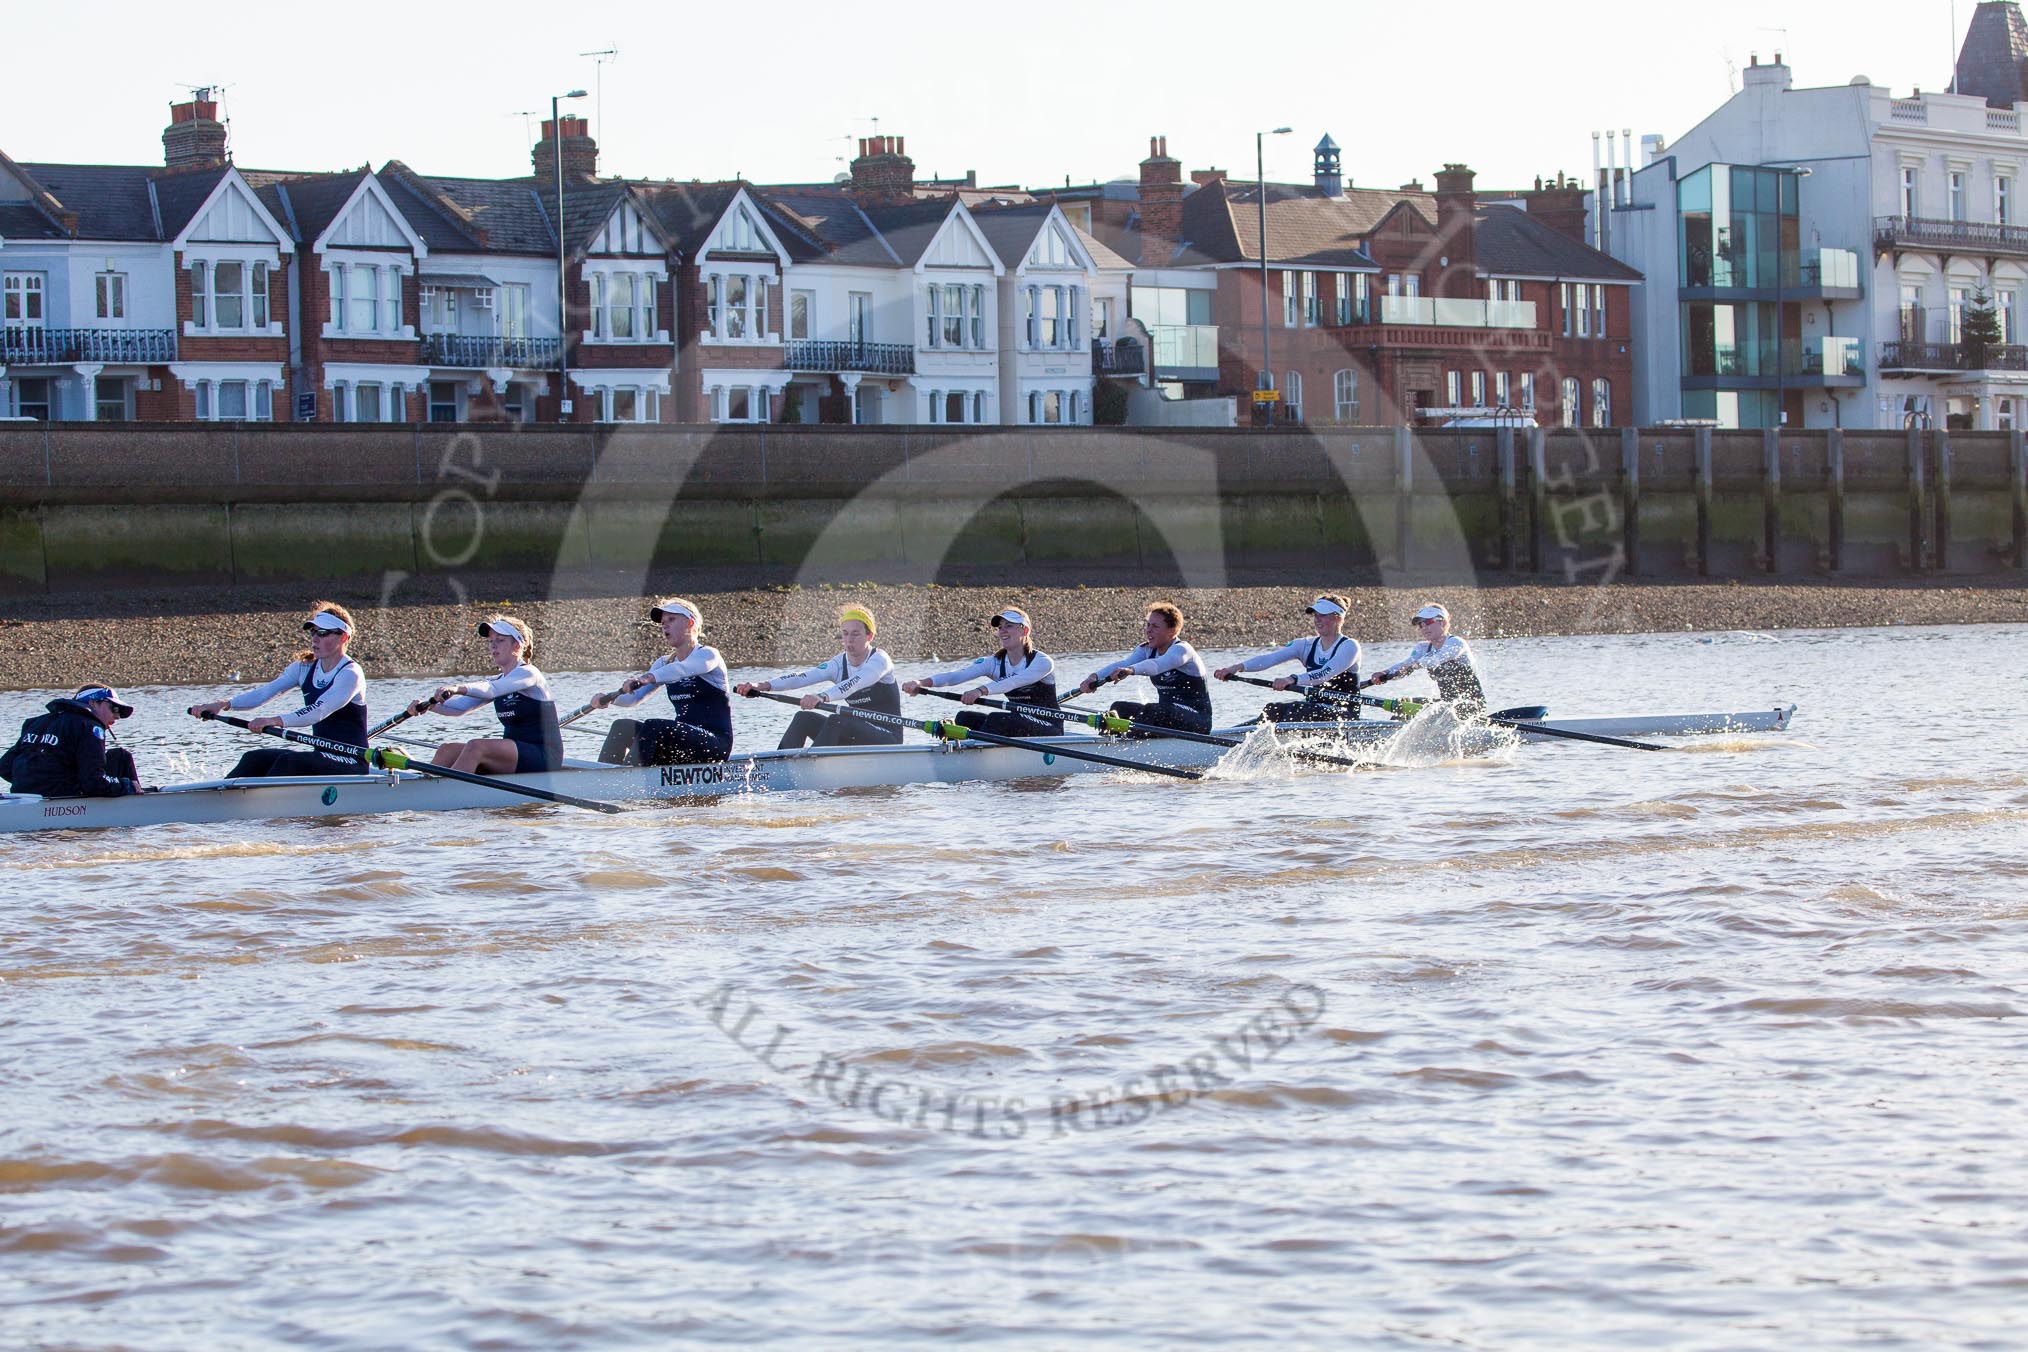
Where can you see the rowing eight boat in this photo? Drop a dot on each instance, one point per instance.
(823, 769)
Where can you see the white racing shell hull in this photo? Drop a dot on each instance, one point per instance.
(828, 769)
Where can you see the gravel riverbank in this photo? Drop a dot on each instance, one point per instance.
(178, 636)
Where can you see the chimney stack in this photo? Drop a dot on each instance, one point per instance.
(883, 171)
(1560, 206)
(1161, 204)
(580, 152)
(1458, 230)
(1204, 178)
(194, 136)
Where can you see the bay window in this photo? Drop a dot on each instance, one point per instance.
(228, 294)
(363, 299)
(954, 315)
(235, 400)
(735, 307)
(337, 295)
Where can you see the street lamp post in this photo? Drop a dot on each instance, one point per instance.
(562, 287)
(1266, 379)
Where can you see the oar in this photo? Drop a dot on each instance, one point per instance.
(396, 760)
(1409, 708)
(1116, 725)
(589, 706)
(958, 732)
(384, 724)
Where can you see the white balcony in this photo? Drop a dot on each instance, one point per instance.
(1457, 314)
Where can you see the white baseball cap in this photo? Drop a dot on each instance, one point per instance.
(1323, 605)
(1433, 611)
(325, 622)
(1012, 615)
(506, 627)
(672, 606)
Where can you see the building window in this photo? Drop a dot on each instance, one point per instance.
(2004, 303)
(2003, 199)
(112, 295)
(1911, 313)
(1351, 298)
(1292, 396)
(519, 402)
(619, 308)
(1478, 389)
(858, 315)
(865, 405)
(1528, 391)
(979, 317)
(1454, 389)
(513, 315)
(736, 292)
(1563, 304)
(1911, 198)
(1961, 300)
(366, 401)
(623, 404)
(362, 300)
(390, 299)
(1345, 395)
(200, 296)
(957, 405)
(443, 401)
(1292, 301)
(2003, 414)
(1102, 317)
(1583, 296)
(21, 301)
(1571, 413)
(1598, 312)
(110, 399)
(1957, 182)
(799, 313)
(738, 404)
(1503, 393)
(1312, 304)
(954, 315)
(32, 397)
(228, 295)
(1601, 403)
(1051, 331)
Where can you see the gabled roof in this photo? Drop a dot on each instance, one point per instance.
(513, 214)
(689, 212)
(181, 193)
(825, 225)
(313, 200)
(1306, 228)
(909, 228)
(1012, 230)
(1102, 257)
(1512, 243)
(111, 201)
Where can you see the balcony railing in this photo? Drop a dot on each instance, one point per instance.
(1906, 355)
(1900, 232)
(823, 354)
(487, 352)
(37, 346)
(1457, 314)
(1184, 347)
(1121, 357)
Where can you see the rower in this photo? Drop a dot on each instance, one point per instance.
(334, 703)
(1329, 659)
(1183, 699)
(1017, 671)
(531, 741)
(1445, 656)
(63, 753)
(861, 675)
(694, 675)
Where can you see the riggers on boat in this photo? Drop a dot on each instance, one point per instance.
(819, 770)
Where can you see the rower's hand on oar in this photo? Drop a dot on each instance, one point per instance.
(1226, 673)
(970, 697)
(1285, 683)
(1377, 678)
(1122, 674)
(263, 723)
(750, 688)
(811, 701)
(914, 687)
(211, 710)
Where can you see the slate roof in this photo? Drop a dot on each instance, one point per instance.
(1514, 244)
(19, 220)
(1993, 63)
(1011, 230)
(514, 215)
(910, 227)
(312, 202)
(689, 212)
(1221, 224)
(825, 225)
(1106, 259)
(428, 213)
(111, 200)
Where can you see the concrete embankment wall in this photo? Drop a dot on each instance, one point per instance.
(85, 506)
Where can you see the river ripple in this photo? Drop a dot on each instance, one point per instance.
(1567, 1047)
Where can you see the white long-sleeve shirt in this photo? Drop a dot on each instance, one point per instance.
(845, 680)
(1336, 662)
(666, 669)
(1021, 673)
(1143, 662)
(1426, 658)
(522, 680)
(336, 688)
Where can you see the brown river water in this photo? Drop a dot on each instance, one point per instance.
(1568, 1046)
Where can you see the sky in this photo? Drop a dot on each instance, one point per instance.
(1027, 95)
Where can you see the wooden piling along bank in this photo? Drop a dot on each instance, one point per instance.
(95, 505)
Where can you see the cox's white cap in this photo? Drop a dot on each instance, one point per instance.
(1012, 615)
(510, 628)
(324, 622)
(1323, 605)
(1433, 611)
(674, 607)
(111, 696)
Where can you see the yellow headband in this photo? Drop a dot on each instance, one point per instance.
(859, 613)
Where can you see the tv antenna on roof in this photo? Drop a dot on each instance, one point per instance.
(599, 60)
(527, 126)
(208, 93)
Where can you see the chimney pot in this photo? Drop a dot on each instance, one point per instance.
(194, 135)
(580, 153)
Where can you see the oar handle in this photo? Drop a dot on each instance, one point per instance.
(591, 705)
(397, 720)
